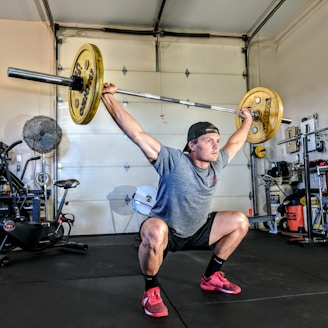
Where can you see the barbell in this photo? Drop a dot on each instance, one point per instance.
(86, 84)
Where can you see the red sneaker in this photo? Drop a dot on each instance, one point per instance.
(153, 304)
(217, 282)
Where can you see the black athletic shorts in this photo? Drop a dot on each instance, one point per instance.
(199, 240)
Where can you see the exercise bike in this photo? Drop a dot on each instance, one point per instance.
(16, 229)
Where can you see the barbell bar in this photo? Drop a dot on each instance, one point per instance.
(86, 84)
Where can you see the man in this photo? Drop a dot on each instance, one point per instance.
(180, 218)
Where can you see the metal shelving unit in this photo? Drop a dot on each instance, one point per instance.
(321, 171)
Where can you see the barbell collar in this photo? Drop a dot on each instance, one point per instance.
(73, 82)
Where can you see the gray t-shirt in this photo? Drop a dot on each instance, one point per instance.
(185, 191)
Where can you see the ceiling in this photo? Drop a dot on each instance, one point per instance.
(217, 17)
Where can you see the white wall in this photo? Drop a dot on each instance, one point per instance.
(295, 65)
(29, 46)
(302, 69)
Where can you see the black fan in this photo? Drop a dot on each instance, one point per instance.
(42, 134)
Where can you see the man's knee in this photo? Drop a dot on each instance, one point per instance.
(238, 221)
(242, 221)
(154, 233)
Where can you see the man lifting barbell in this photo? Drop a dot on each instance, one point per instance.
(180, 218)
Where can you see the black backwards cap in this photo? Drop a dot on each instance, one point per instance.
(199, 129)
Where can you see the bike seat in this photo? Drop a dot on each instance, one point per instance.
(67, 184)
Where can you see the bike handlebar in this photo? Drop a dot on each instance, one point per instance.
(14, 144)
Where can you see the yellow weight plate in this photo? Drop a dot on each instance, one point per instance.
(88, 64)
(267, 108)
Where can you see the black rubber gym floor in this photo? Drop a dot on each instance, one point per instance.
(283, 285)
